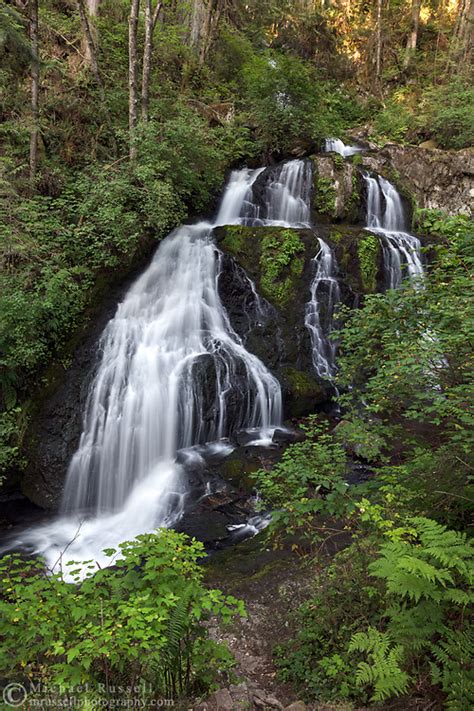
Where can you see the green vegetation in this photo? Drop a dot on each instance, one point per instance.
(389, 615)
(280, 265)
(138, 624)
(324, 196)
(368, 251)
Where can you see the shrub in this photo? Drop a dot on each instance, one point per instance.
(139, 622)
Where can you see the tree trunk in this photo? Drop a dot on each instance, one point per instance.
(35, 72)
(91, 54)
(378, 45)
(151, 18)
(92, 7)
(413, 36)
(466, 29)
(133, 75)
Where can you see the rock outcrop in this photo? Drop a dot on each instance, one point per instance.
(441, 180)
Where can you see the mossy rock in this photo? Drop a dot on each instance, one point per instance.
(368, 251)
(338, 189)
(303, 391)
(273, 256)
(359, 255)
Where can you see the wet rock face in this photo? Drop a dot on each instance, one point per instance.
(273, 330)
(338, 189)
(57, 424)
(442, 180)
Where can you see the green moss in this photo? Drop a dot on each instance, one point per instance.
(355, 195)
(234, 239)
(368, 252)
(325, 196)
(302, 384)
(356, 159)
(338, 162)
(280, 267)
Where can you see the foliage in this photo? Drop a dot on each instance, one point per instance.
(280, 265)
(447, 110)
(368, 251)
(289, 102)
(139, 623)
(383, 672)
(403, 622)
(307, 482)
(325, 196)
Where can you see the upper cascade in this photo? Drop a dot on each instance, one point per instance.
(335, 145)
(288, 195)
(279, 196)
(386, 217)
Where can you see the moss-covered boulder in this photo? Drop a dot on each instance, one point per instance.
(301, 389)
(273, 256)
(338, 189)
(279, 263)
(360, 259)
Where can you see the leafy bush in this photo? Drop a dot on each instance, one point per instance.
(306, 482)
(289, 102)
(447, 114)
(139, 622)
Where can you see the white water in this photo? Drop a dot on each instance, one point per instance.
(288, 196)
(386, 218)
(335, 145)
(325, 295)
(173, 374)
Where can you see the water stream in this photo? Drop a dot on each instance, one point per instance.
(386, 218)
(173, 374)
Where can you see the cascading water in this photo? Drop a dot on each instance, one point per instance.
(335, 145)
(325, 295)
(386, 218)
(173, 374)
(288, 196)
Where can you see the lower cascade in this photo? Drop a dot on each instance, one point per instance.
(325, 295)
(386, 218)
(173, 374)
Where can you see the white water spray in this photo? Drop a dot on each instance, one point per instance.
(335, 145)
(325, 295)
(386, 218)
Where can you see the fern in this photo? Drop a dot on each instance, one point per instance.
(452, 668)
(383, 672)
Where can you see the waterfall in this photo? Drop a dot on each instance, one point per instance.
(288, 196)
(173, 373)
(335, 145)
(238, 205)
(386, 218)
(325, 295)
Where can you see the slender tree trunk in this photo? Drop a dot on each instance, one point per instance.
(91, 47)
(92, 7)
(461, 46)
(151, 18)
(466, 29)
(413, 36)
(378, 42)
(133, 76)
(35, 72)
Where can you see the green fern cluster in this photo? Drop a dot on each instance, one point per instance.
(428, 582)
(383, 671)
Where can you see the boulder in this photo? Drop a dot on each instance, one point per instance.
(436, 179)
(338, 189)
